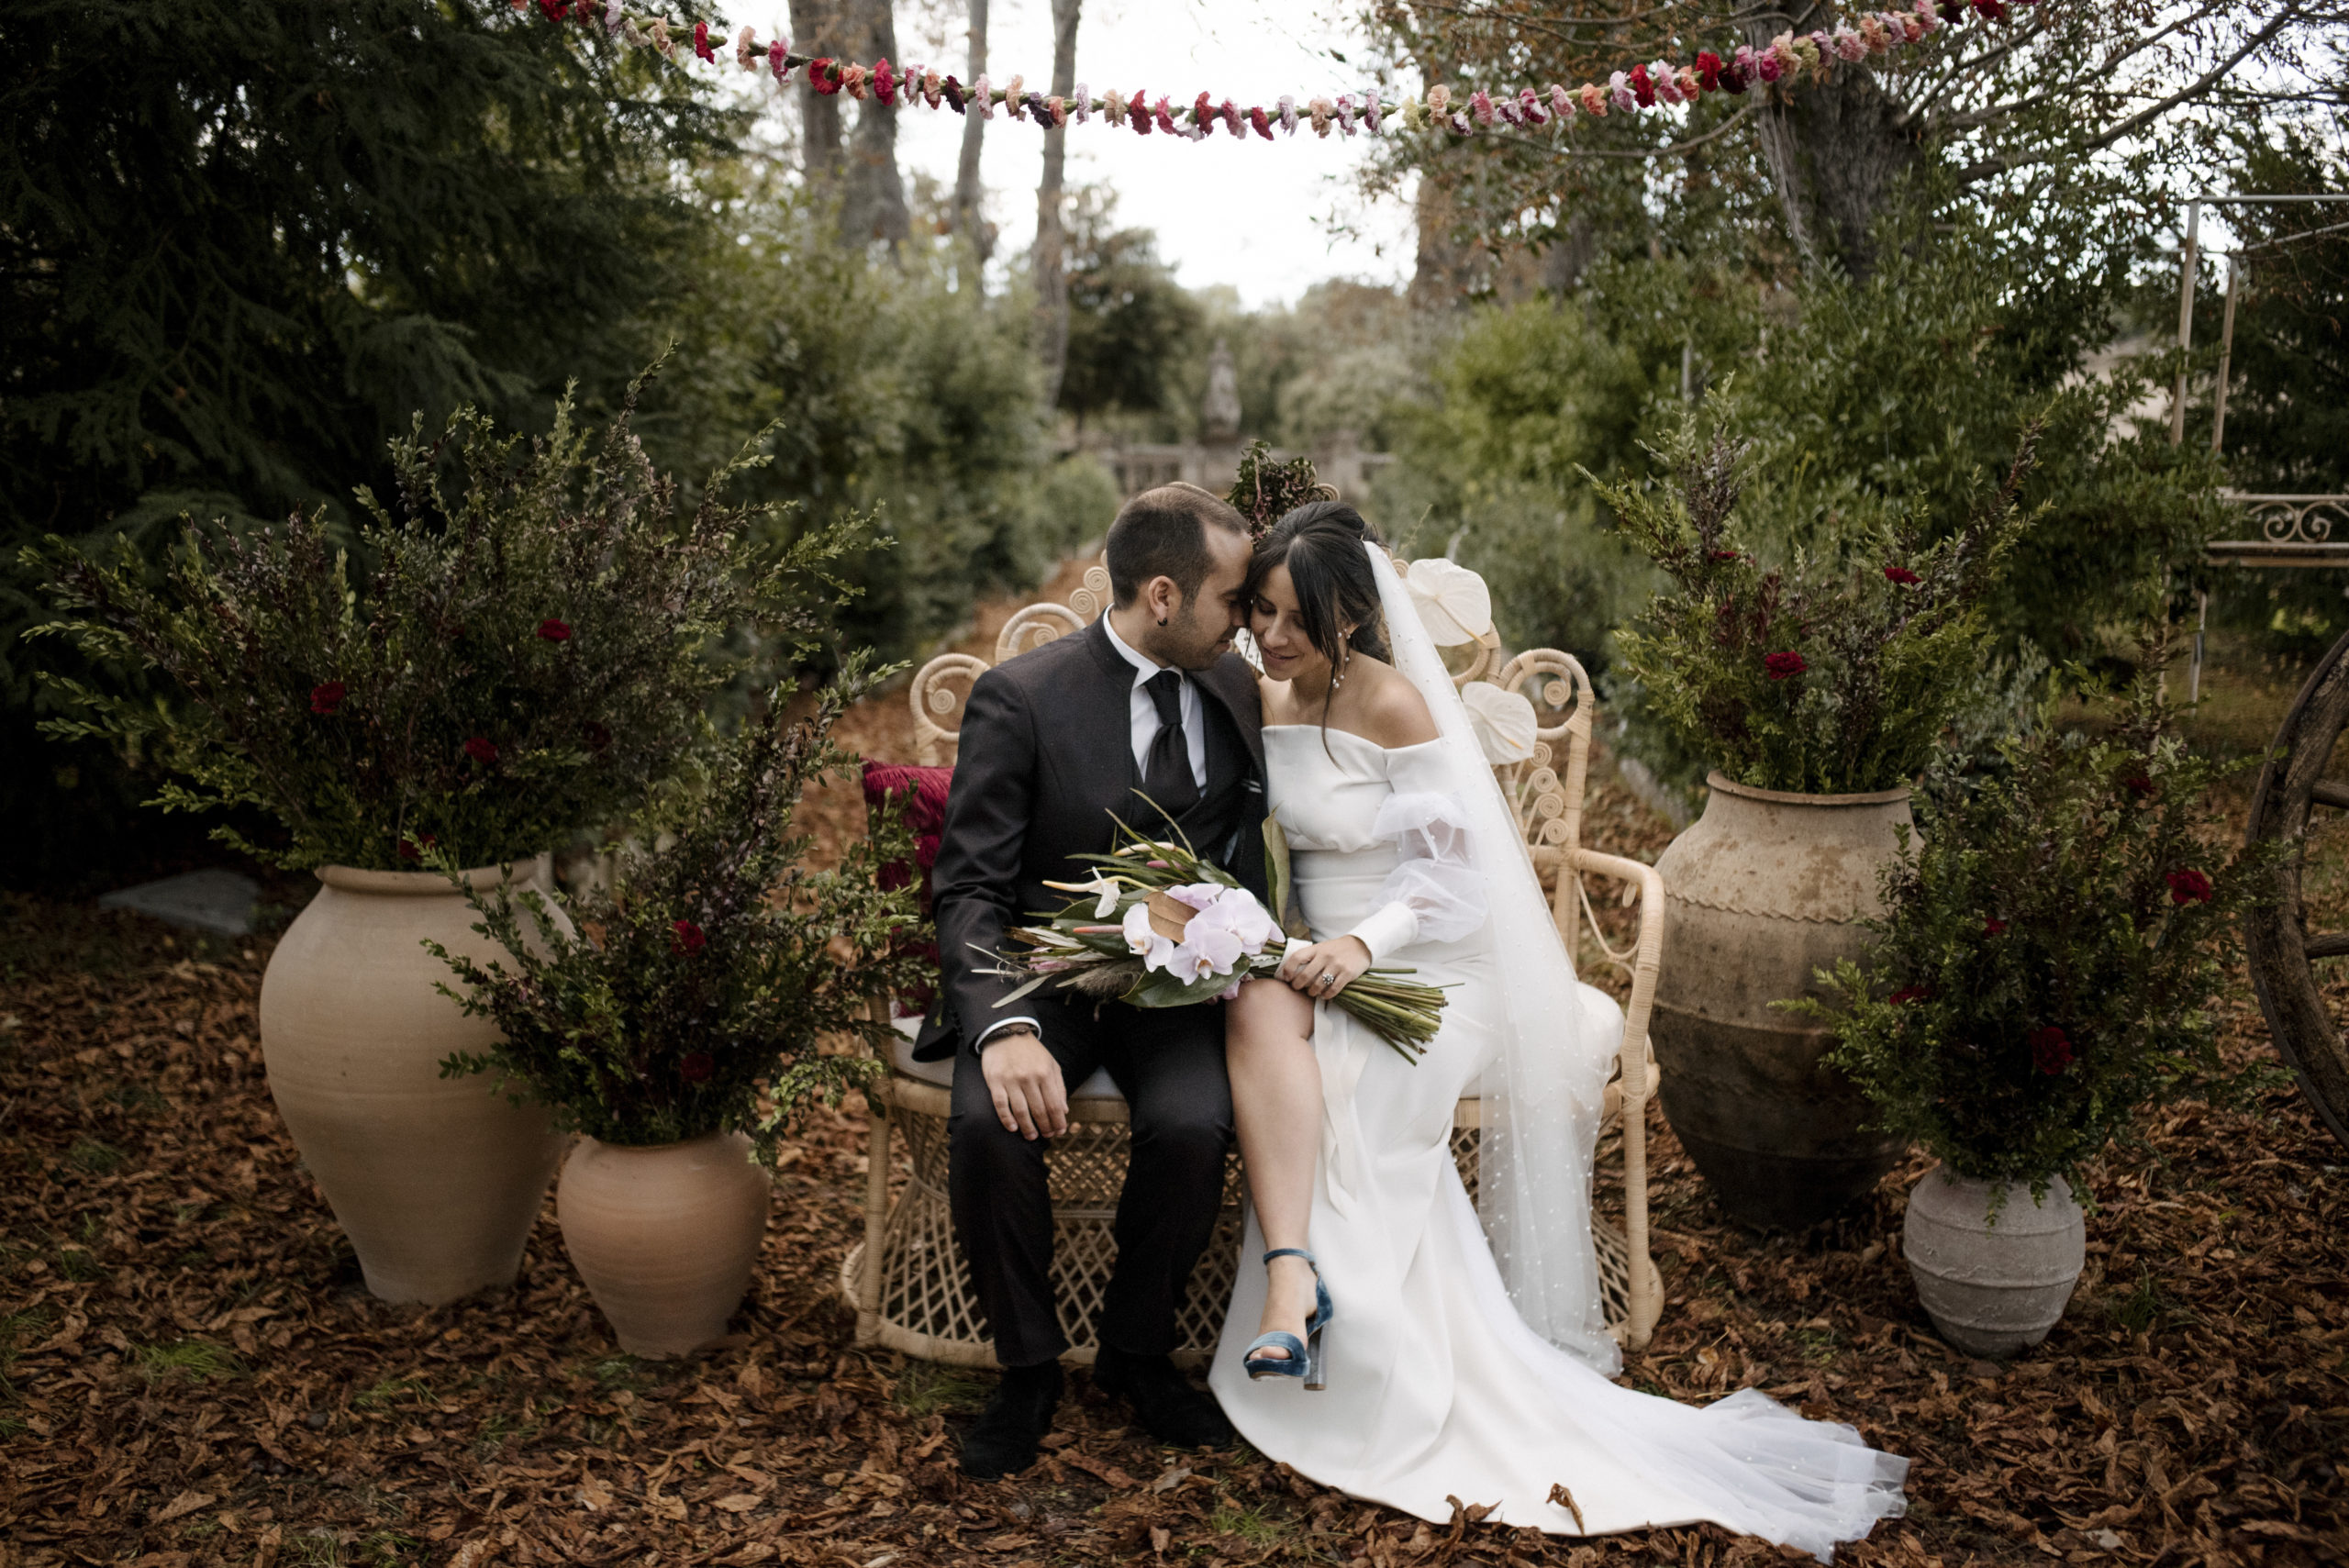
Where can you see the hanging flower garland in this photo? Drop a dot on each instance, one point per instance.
(1784, 60)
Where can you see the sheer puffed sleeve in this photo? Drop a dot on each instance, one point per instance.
(1434, 894)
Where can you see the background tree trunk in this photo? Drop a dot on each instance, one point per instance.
(1833, 150)
(817, 28)
(968, 193)
(1052, 239)
(872, 201)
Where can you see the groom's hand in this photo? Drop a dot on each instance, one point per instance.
(1029, 1098)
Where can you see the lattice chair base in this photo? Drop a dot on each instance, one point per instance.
(918, 1299)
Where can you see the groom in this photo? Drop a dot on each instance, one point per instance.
(1149, 701)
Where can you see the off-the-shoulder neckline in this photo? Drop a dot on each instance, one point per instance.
(1350, 735)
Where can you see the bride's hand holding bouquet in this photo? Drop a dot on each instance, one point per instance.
(1160, 925)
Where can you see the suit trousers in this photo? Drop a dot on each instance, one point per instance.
(1168, 1062)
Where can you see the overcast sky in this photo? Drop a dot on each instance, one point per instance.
(1261, 216)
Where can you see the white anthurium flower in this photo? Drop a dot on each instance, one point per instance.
(1454, 602)
(1505, 722)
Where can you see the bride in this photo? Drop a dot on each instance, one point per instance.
(1410, 1352)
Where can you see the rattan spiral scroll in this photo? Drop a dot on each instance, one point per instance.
(933, 693)
(1033, 627)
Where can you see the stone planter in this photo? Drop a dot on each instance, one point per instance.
(1993, 1284)
(1761, 890)
(437, 1181)
(666, 1237)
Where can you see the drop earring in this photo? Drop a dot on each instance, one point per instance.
(1337, 670)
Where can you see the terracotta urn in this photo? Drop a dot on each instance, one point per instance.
(665, 1236)
(437, 1181)
(1994, 1268)
(1761, 891)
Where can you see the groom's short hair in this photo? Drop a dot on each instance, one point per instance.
(1163, 533)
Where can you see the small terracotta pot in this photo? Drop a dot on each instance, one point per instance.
(666, 1237)
(1993, 1283)
(437, 1181)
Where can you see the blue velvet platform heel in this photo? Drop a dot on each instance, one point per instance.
(1304, 1360)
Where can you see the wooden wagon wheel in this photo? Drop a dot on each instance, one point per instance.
(2284, 955)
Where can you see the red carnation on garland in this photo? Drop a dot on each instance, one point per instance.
(1909, 994)
(688, 938)
(2187, 886)
(2139, 786)
(327, 696)
(1784, 666)
(2051, 1052)
(1994, 927)
(701, 42)
(553, 630)
(1708, 71)
(1264, 126)
(409, 849)
(1726, 555)
(1901, 576)
(482, 748)
(1138, 116)
(824, 75)
(696, 1066)
(885, 83)
(1641, 87)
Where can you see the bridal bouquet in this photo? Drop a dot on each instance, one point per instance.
(1160, 926)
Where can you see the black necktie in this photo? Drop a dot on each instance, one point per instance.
(1166, 770)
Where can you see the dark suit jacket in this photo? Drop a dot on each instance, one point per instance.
(1046, 756)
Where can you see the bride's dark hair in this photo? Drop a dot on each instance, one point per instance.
(1321, 544)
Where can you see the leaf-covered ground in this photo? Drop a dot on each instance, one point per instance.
(191, 1372)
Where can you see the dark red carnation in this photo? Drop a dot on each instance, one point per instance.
(482, 750)
(953, 91)
(1708, 71)
(701, 42)
(2051, 1052)
(2187, 886)
(1909, 994)
(1138, 111)
(553, 630)
(554, 10)
(1642, 88)
(1900, 574)
(1951, 10)
(327, 696)
(1784, 666)
(597, 736)
(1994, 927)
(686, 937)
(1725, 555)
(696, 1066)
(2139, 786)
(1991, 10)
(408, 851)
(824, 75)
(1732, 77)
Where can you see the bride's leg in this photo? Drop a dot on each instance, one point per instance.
(1277, 1110)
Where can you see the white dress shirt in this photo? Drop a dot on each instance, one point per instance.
(1143, 712)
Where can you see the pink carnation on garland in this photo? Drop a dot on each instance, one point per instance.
(884, 81)
(779, 60)
(1594, 100)
(1619, 89)
(1370, 111)
(1480, 104)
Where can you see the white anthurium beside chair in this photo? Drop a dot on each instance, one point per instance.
(907, 1279)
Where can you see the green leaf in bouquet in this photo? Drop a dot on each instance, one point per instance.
(1160, 989)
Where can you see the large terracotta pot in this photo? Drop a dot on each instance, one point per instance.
(1759, 892)
(1993, 1279)
(437, 1181)
(666, 1237)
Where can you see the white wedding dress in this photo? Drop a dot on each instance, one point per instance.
(1439, 1387)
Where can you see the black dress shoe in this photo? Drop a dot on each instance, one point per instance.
(1003, 1440)
(1169, 1407)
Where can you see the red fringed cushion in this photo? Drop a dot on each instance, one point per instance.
(920, 793)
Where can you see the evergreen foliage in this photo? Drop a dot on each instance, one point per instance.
(1832, 676)
(243, 241)
(496, 671)
(2050, 954)
(697, 999)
